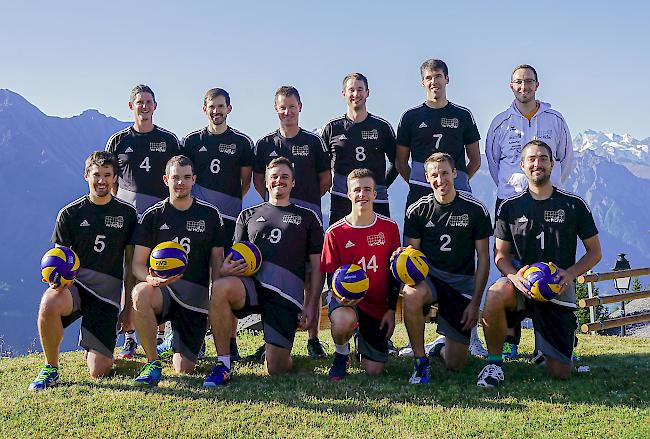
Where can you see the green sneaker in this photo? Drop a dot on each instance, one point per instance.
(47, 377)
(150, 374)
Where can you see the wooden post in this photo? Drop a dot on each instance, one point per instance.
(615, 323)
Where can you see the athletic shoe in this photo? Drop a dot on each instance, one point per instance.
(150, 374)
(234, 350)
(539, 359)
(420, 371)
(315, 349)
(160, 338)
(339, 367)
(164, 349)
(510, 351)
(392, 350)
(436, 347)
(47, 377)
(476, 347)
(258, 357)
(406, 351)
(219, 376)
(128, 350)
(490, 376)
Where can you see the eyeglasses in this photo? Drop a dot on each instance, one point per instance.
(524, 81)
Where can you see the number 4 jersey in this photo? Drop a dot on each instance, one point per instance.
(369, 247)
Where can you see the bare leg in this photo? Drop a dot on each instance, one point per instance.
(454, 355)
(501, 297)
(147, 303)
(228, 293)
(278, 360)
(415, 298)
(98, 365)
(54, 305)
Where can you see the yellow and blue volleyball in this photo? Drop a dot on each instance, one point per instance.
(410, 266)
(544, 281)
(249, 253)
(168, 259)
(350, 282)
(59, 266)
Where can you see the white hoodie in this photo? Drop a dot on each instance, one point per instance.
(510, 131)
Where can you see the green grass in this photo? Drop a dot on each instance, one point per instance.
(610, 401)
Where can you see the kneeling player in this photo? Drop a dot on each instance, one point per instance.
(183, 299)
(368, 240)
(287, 235)
(452, 229)
(98, 227)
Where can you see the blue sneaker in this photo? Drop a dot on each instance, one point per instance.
(164, 349)
(420, 371)
(510, 351)
(339, 369)
(47, 377)
(150, 374)
(219, 376)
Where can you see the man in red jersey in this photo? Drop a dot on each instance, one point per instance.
(367, 239)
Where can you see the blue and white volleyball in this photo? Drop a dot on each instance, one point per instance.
(249, 253)
(168, 259)
(350, 282)
(59, 266)
(410, 266)
(544, 281)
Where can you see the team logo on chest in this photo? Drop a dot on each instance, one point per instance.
(554, 216)
(458, 220)
(116, 222)
(370, 135)
(227, 149)
(158, 146)
(300, 150)
(195, 226)
(292, 219)
(449, 123)
(378, 239)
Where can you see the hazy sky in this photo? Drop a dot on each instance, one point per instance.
(592, 57)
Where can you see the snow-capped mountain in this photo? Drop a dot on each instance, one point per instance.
(622, 149)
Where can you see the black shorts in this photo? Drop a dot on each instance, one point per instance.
(340, 207)
(451, 306)
(188, 326)
(98, 320)
(371, 342)
(280, 317)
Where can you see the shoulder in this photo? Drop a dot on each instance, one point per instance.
(167, 134)
(192, 138)
(266, 138)
(385, 220)
(128, 207)
(381, 122)
(512, 201)
(153, 210)
(115, 139)
(251, 210)
(332, 122)
(309, 213)
(573, 199)
(555, 115)
(420, 204)
(500, 119)
(464, 111)
(410, 113)
(473, 201)
(207, 206)
(336, 226)
(245, 138)
(71, 207)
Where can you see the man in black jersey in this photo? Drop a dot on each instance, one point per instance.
(142, 151)
(541, 224)
(312, 164)
(359, 139)
(287, 235)
(436, 126)
(98, 227)
(223, 158)
(452, 228)
(182, 299)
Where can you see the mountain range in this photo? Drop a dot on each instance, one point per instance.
(43, 171)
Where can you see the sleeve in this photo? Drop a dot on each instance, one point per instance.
(586, 226)
(175, 140)
(493, 152)
(110, 144)
(413, 222)
(219, 238)
(404, 131)
(329, 259)
(565, 152)
(187, 146)
(61, 234)
(326, 134)
(241, 229)
(248, 152)
(470, 134)
(144, 234)
(323, 159)
(393, 284)
(133, 223)
(390, 147)
(259, 165)
(483, 226)
(502, 224)
(314, 236)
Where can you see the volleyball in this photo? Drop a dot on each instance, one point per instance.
(168, 259)
(410, 266)
(350, 282)
(249, 253)
(544, 281)
(59, 266)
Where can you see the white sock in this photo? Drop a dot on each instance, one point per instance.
(343, 349)
(225, 359)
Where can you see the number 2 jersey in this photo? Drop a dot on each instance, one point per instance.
(546, 230)
(141, 161)
(98, 234)
(371, 248)
(286, 236)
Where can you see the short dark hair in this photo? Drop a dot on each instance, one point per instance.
(101, 158)
(361, 173)
(539, 143)
(438, 157)
(281, 161)
(213, 93)
(141, 88)
(524, 66)
(355, 76)
(287, 91)
(433, 64)
(178, 160)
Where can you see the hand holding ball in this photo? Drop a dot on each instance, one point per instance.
(59, 266)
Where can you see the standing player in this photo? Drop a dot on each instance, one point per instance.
(223, 158)
(359, 139)
(142, 151)
(311, 162)
(541, 224)
(452, 228)
(368, 240)
(182, 300)
(98, 227)
(287, 235)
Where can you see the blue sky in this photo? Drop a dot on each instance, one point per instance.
(592, 57)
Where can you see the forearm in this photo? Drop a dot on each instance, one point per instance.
(391, 174)
(585, 263)
(480, 279)
(472, 167)
(404, 169)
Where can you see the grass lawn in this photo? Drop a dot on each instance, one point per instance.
(612, 400)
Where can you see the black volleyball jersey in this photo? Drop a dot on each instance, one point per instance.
(141, 159)
(218, 159)
(309, 156)
(448, 231)
(286, 236)
(426, 130)
(199, 229)
(545, 230)
(352, 145)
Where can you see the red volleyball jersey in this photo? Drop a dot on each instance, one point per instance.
(369, 247)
